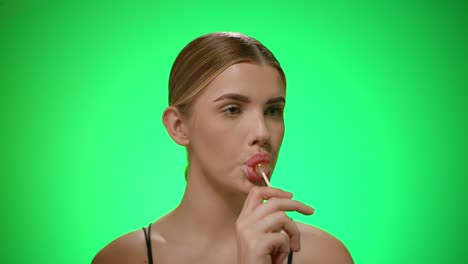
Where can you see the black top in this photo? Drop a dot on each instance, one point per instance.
(150, 254)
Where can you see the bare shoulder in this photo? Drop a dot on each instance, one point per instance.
(318, 246)
(129, 248)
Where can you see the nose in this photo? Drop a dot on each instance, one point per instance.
(260, 133)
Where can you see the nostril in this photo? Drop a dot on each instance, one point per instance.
(262, 142)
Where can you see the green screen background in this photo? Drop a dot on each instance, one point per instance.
(375, 135)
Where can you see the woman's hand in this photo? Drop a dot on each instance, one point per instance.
(265, 234)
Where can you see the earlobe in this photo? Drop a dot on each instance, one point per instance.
(172, 120)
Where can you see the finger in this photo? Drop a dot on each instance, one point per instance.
(274, 244)
(258, 194)
(281, 204)
(279, 221)
(279, 258)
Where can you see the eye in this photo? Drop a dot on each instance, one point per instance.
(231, 110)
(275, 111)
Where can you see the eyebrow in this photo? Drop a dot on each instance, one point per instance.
(245, 99)
(237, 97)
(276, 100)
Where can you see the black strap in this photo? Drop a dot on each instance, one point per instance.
(290, 257)
(148, 244)
(150, 254)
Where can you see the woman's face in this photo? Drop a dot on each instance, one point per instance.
(235, 123)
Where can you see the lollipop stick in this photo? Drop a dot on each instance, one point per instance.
(266, 179)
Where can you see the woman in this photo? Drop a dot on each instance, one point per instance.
(226, 101)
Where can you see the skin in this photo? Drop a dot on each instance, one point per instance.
(222, 217)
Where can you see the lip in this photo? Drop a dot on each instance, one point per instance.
(261, 157)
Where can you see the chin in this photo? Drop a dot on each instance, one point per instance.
(248, 185)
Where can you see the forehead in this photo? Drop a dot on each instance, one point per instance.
(249, 79)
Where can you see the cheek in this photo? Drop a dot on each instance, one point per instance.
(277, 133)
(212, 138)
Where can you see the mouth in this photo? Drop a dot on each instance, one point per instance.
(256, 159)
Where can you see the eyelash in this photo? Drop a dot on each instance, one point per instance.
(228, 111)
(278, 110)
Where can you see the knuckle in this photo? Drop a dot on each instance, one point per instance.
(256, 190)
(273, 200)
(239, 225)
(283, 216)
(299, 204)
(285, 237)
(295, 203)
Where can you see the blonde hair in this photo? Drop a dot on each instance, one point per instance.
(203, 59)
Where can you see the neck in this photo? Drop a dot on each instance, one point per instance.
(205, 212)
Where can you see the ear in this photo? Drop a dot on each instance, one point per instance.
(175, 126)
